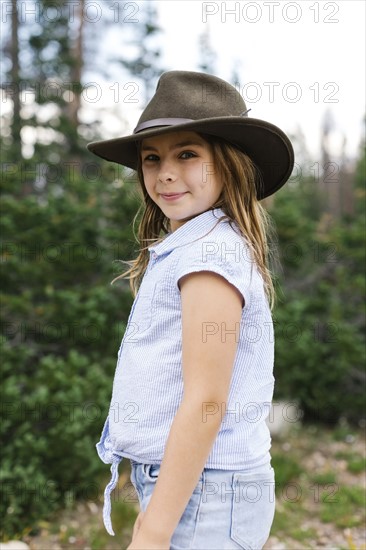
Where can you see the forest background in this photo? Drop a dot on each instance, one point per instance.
(66, 221)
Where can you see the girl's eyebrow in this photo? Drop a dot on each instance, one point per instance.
(188, 143)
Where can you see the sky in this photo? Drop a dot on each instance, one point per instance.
(294, 60)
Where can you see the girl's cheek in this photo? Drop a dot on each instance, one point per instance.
(205, 181)
(146, 173)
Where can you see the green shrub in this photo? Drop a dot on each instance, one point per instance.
(52, 415)
(62, 323)
(320, 318)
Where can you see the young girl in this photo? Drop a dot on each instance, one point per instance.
(194, 378)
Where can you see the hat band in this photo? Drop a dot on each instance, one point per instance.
(161, 122)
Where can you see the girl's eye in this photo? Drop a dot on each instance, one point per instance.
(187, 155)
(151, 157)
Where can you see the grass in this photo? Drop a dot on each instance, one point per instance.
(288, 522)
(123, 518)
(287, 469)
(356, 463)
(124, 513)
(325, 478)
(303, 534)
(343, 432)
(347, 509)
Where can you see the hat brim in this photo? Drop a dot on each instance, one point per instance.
(267, 146)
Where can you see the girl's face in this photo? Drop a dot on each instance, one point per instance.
(179, 175)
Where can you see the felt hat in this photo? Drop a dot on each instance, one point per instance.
(200, 102)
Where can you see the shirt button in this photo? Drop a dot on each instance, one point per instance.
(154, 255)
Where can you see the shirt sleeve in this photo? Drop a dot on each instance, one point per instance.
(231, 260)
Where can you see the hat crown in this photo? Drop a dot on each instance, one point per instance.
(192, 95)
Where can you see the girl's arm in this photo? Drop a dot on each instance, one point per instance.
(211, 314)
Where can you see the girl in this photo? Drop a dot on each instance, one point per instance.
(194, 378)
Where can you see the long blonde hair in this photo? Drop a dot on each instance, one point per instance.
(237, 200)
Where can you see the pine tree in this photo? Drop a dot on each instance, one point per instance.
(145, 65)
(207, 55)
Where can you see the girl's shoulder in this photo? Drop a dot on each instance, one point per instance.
(223, 249)
(223, 242)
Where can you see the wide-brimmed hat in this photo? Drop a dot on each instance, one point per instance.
(200, 102)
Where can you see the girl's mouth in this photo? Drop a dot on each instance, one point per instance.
(173, 197)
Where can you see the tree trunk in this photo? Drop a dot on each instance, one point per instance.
(15, 78)
(76, 51)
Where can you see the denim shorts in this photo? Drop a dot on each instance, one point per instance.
(227, 509)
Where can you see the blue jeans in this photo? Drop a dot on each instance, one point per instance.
(228, 509)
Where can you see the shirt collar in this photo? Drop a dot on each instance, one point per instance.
(190, 231)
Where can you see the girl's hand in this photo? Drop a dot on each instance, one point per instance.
(137, 524)
(140, 541)
(146, 544)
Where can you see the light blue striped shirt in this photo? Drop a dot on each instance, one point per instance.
(148, 383)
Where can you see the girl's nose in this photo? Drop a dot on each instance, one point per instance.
(166, 174)
(163, 177)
